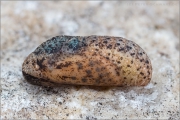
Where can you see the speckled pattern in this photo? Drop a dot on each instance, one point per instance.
(153, 25)
(91, 60)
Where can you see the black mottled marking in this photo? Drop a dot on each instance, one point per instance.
(124, 77)
(107, 58)
(140, 53)
(67, 77)
(141, 60)
(118, 44)
(121, 58)
(39, 63)
(117, 72)
(121, 49)
(138, 68)
(73, 78)
(84, 80)
(108, 38)
(97, 81)
(148, 72)
(97, 49)
(132, 54)
(147, 67)
(80, 65)
(128, 66)
(100, 76)
(109, 47)
(141, 73)
(88, 72)
(27, 62)
(105, 42)
(128, 48)
(131, 62)
(109, 53)
(60, 66)
(147, 61)
(145, 77)
(118, 62)
(98, 69)
(93, 40)
(91, 63)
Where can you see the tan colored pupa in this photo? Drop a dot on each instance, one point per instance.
(88, 60)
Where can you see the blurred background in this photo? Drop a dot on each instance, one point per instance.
(152, 25)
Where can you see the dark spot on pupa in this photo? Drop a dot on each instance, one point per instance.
(141, 73)
(84, 79)
(147, 61)
(91, 63)
(138, 69)
(88, 72)
(80, 65)
(141, 60)
(131, 62)
(93, 40)
(120, 49)
(118, 44)
(118, 62)
(97, 81)
(73, 78)
(117, 72)
(145, 77)
(108, 38)
(128, 66)
(109, 47)
(39, 62)
(132, 54)
(100, 76)
(128, 48)
(147, 67)
(140, 53)
(97, 49)
(27, 62)
(60, 66)
(105, 42)
(121, 58)
(108, 53)
(124, 77)
(107, 58)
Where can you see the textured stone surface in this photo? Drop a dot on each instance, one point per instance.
(152, 25)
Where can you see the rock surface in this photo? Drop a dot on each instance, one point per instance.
(152, 25)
